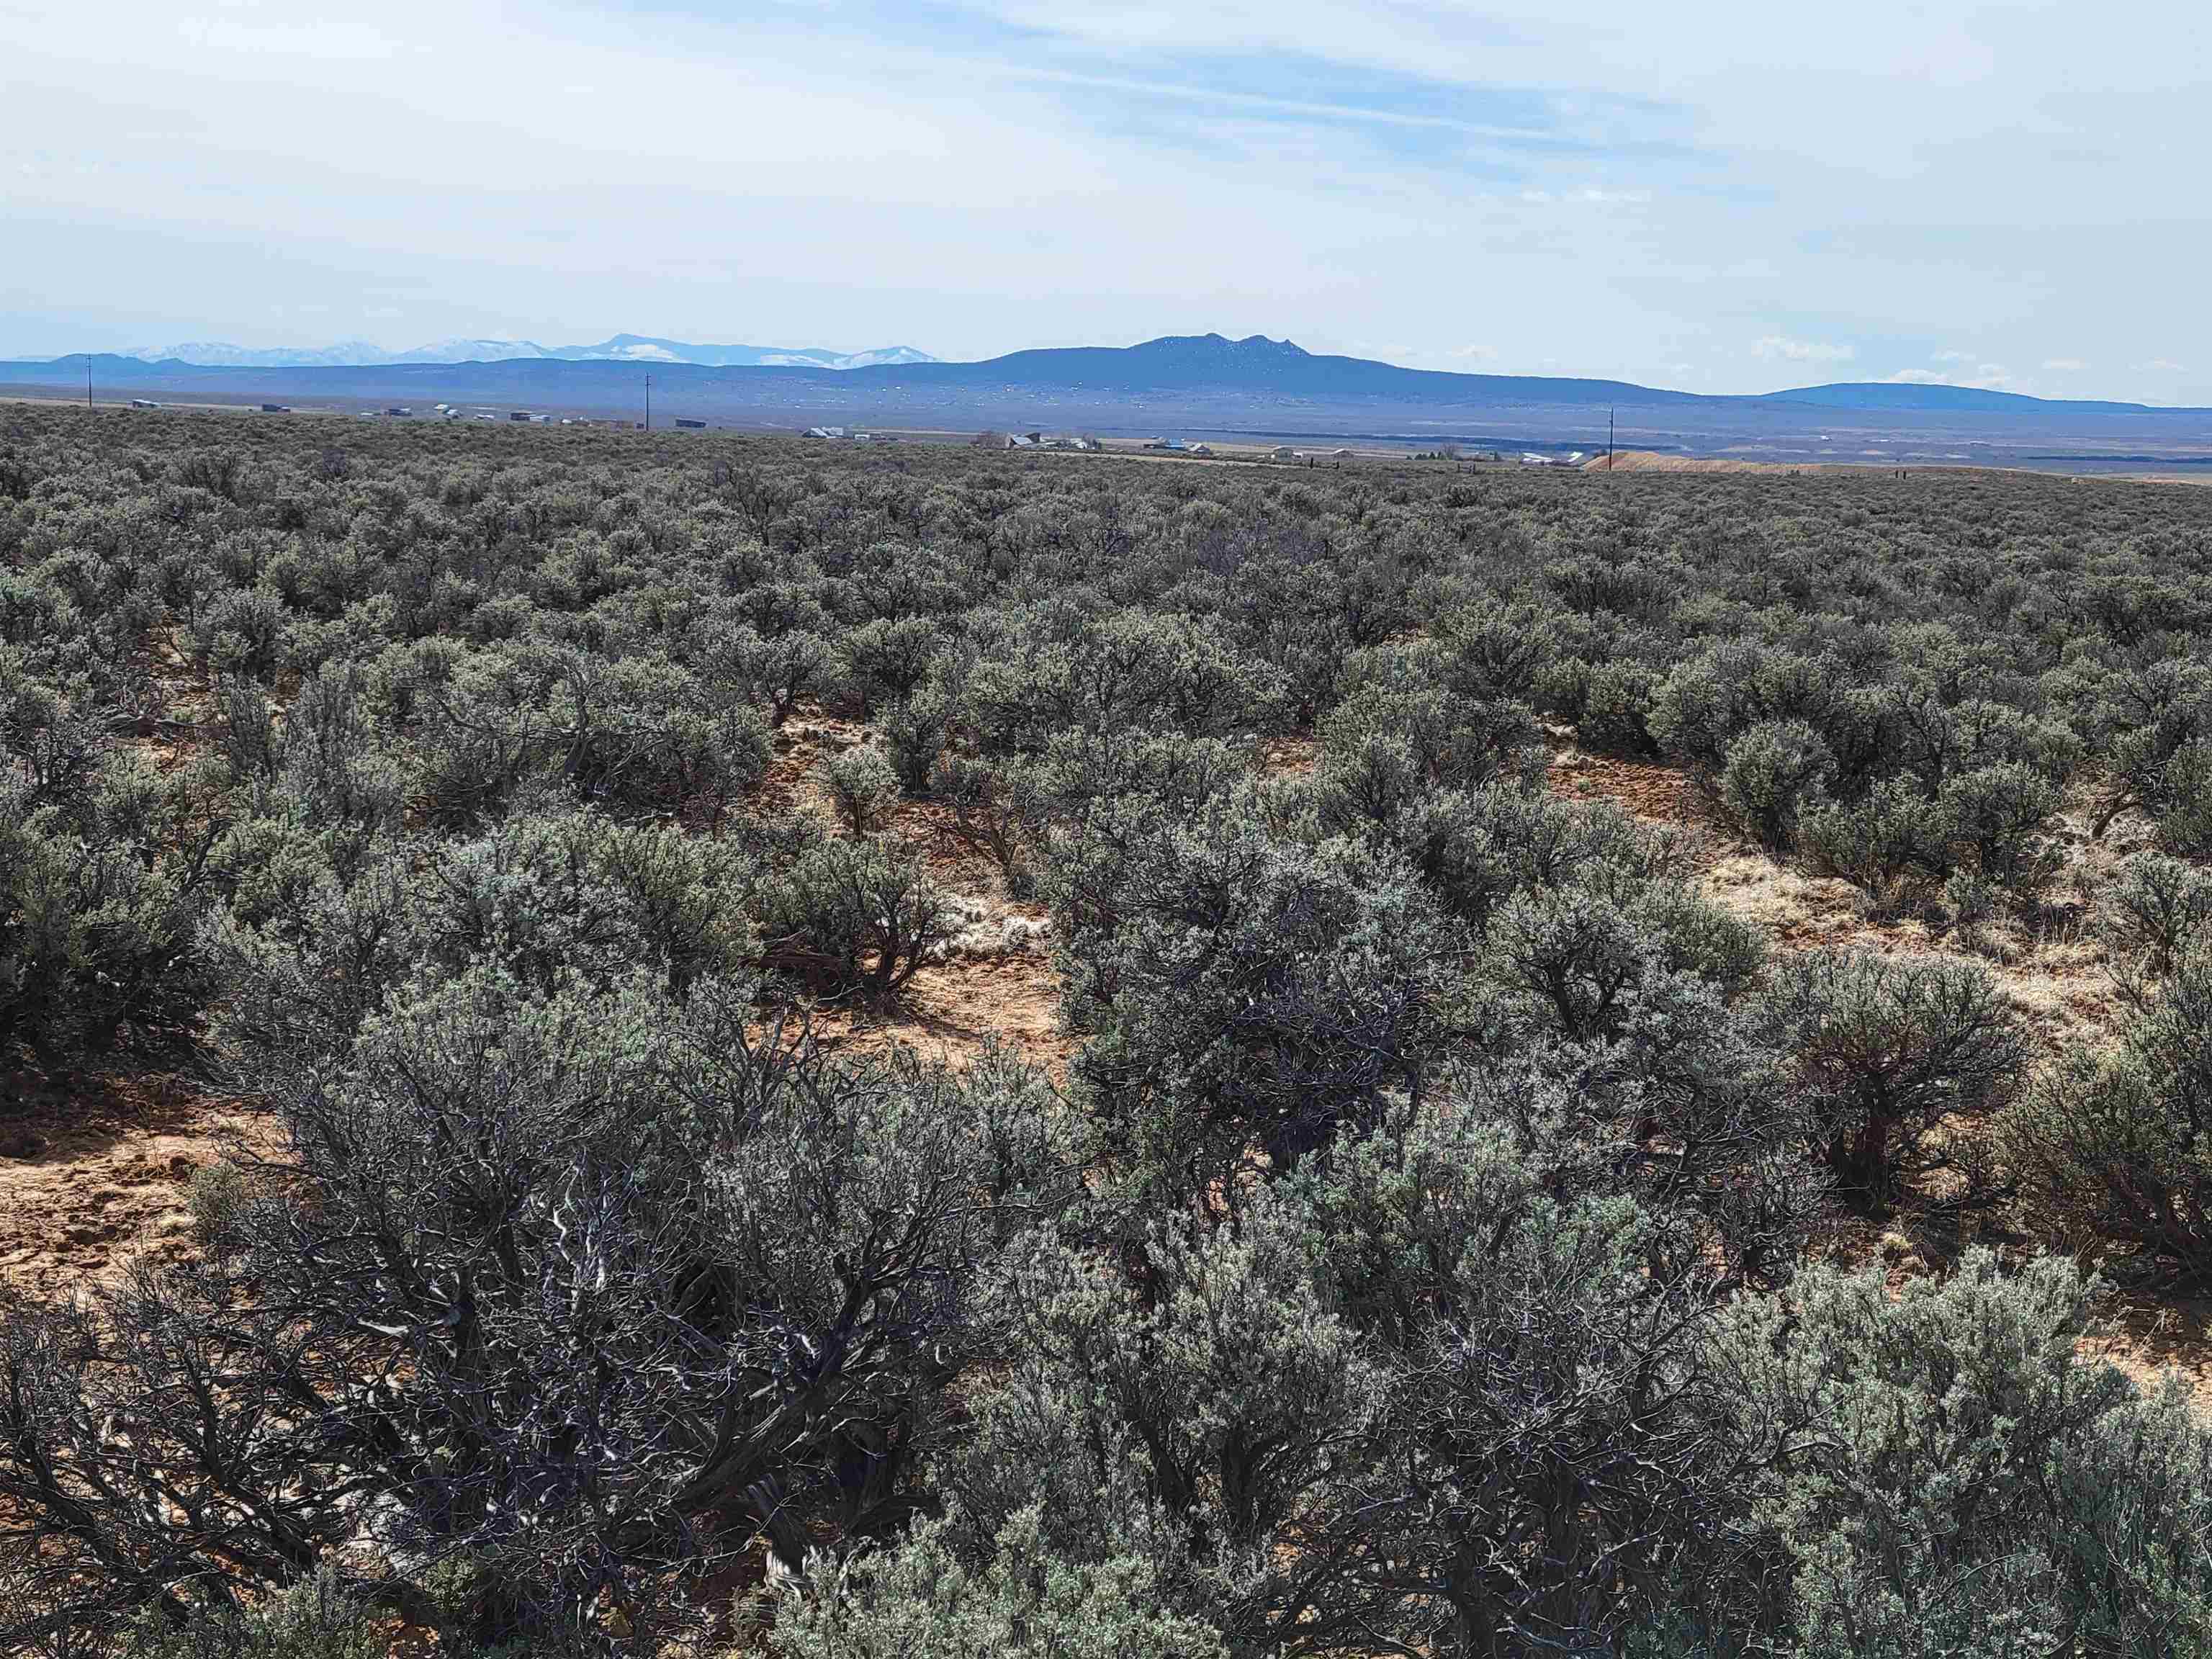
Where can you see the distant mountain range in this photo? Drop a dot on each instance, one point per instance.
(1173, 363)
(620, 347)
(1910, 394)
(1188, 383)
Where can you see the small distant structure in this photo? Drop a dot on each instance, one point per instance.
(1282, 452)
(276, 409)
(143, 402)
(1529, 459)
(1022, 441)
(690, 426)
(1340, 454)
(1170, 446)
(832, 432)
(521, 414)
(1199, 449)
(398, 409)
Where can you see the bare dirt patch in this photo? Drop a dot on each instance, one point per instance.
(95, 1174)
(2056, 973)
(1648, 460)
(953, 1010)
(1654, 794)
(993, 982)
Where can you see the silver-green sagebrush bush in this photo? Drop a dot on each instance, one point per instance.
(1411, 1256)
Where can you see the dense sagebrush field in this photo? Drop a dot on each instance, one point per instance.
(1436, 1213)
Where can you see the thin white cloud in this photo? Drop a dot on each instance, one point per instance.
(2064, 365)
(2163, 365)
(1781, 347)
(1983, 377)
(1951, 357)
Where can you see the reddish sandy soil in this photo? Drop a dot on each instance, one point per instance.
(1656, 794)
(92, 1176)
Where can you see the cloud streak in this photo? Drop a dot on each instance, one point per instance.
(1779, 348)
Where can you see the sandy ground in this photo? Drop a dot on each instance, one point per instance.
(1648, 460)
(96, 1172)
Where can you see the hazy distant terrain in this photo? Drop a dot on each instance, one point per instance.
(619, 348)
(1202, 384)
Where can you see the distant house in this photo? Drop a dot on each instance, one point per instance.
(825, 432)
(1199, 449)
(397, 410)
(691, 426)
(143, 402)
(1022, 441)
(274, 408)
(521, 414)
(1282, 452)
(1537, 460)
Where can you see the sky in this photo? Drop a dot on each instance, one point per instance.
(1717, 195)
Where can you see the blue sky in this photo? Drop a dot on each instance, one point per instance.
(1723, 196)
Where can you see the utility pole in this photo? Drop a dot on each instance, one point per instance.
(87, 380)
(1609, 441)
(648, 403)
